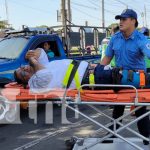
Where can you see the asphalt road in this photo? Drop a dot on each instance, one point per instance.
(43, 136)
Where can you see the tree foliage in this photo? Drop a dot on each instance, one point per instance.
(113, 25)
(3, 24)
(42, 26)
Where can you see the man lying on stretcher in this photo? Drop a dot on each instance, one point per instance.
(42, 75)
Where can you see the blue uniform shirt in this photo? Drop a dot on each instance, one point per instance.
(129, 53)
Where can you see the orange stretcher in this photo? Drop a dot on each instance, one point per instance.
(17, 92)
(133, 97)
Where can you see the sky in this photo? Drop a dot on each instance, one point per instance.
(44, 12)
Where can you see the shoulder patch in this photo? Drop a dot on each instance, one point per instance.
(148, 45)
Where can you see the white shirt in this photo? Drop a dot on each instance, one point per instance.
(53, 75)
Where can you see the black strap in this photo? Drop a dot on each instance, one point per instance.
(73, 72)
(130, 75)
(85, 79)
(116, 76)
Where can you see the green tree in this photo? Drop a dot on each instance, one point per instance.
(42, 26)
(113, 25)
(3, 24)
(110, 27)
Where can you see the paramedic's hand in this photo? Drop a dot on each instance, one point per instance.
(93, 66)
(33, 53)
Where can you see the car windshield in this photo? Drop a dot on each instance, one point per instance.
(12, 47)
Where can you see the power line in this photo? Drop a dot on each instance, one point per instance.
(70, 22)
(93, 7)
(33, 8)
(112, 4)
(92, 3)
(85, 13)
(122, 3)
(138, 11)
(84, 6)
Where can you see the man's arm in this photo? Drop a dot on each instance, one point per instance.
(39, 54)
(32, 56)
(109, 53)
(106, 60)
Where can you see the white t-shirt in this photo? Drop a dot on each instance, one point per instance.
(53, 75)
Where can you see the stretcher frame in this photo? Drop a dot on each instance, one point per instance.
(77, 101)
(114, 122)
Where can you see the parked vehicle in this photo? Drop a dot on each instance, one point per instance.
(14, 47)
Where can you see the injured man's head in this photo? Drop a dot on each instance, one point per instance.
(23, 74)
(36, 75)
(38, 81)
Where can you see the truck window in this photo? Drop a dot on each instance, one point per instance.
(53, 47)
(12, 47)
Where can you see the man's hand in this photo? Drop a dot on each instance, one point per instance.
(33, 61)
(35, 64)
(33, 53)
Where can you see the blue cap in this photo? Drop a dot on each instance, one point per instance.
(127, 13)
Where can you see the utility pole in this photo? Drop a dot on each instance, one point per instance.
(64, 24)
(63, 12)
(142, 15)
(86, 23)
(103, 15)
(63, 16)
(145, 14)
(69, 12)
(69, 23)
(7, 16)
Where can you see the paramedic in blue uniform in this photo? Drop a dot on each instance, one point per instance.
(129, 48)
(145, 31)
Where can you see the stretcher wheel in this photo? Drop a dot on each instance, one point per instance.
(70, 143)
